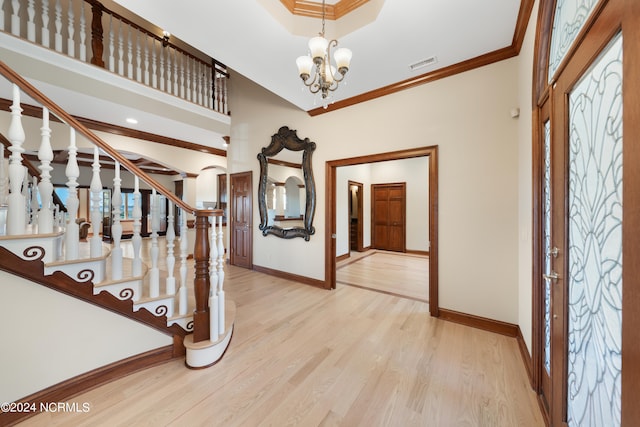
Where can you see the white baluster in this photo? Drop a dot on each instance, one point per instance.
(116, 227)
(16, 223)
(221, 262)
(72, 234)
(184, 77)
(154, 64)
(154, 272)
(95, 247)
(71, 46)
(59, 220)
(15, 18)
(169, 70)
(197, 90)
(214, 316)
(208, 89)
(45, 23)
(129, 54)
(4, 183)
(138, 58)
(83, 33)
(120, 50)
(112, 59)
(58, 24)
(136, 240)
(25, 193)
(201, 83)
(176, 88)
(146, 61)
(45, 155)
(182, 292)
(31, 25)
(33, 205)
(171, 259)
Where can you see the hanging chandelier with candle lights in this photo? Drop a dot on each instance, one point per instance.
(325, 79)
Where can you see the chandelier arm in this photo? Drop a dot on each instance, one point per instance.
(311, 82)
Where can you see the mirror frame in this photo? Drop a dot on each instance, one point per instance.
(287, 138)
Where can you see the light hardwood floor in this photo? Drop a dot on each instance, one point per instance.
(302, 356)
(395, 273)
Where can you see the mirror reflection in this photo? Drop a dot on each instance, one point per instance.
(286, 194)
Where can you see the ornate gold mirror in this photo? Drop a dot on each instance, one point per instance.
(286, 193)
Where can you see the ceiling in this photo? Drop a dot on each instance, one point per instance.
(261, 39)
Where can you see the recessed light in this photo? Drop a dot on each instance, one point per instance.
(132, 120)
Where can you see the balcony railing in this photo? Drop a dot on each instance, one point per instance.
(88, 31)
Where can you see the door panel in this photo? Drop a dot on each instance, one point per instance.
(241, 220)
(388, 216)
(594, 255)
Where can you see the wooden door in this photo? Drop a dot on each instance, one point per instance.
(241, 220)
(388, 216)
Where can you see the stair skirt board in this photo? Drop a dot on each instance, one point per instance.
(206, 353)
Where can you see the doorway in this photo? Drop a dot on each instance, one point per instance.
(356, 216)
(432, 194)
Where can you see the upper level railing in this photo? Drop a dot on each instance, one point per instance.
(86, 30)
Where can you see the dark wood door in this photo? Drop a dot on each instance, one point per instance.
(388, 216)
(241, 220)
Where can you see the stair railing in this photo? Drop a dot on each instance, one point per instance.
(119, 45)
(16, 224)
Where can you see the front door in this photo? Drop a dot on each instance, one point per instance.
(241, 220)
(581, 221)
(388, 216)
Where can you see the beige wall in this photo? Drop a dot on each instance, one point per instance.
(525, 79)
(468, 117)
(54, 337)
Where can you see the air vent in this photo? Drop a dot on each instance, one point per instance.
(423, 63)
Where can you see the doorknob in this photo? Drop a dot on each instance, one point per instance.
(553, 276)
(553, 252)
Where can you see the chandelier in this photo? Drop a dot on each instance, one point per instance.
(325, 78)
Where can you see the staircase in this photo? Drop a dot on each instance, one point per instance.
(40, 242)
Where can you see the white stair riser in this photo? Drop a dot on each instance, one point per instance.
(158, 307)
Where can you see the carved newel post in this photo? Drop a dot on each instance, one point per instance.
(202, 282)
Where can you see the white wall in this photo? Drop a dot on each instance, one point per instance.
(467, 117)
(49, 337)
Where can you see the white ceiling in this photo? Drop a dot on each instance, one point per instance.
(256, 37)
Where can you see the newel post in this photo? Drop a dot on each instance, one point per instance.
(96, 33)
(202, 283)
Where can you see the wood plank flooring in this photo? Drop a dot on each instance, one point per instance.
(302, 356)
(391, 272)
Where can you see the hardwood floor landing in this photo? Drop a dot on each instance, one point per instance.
(395, 273)
(303, 356)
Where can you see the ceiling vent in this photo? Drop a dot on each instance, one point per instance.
(423, 63)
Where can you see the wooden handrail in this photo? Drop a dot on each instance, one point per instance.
(97, 4)
(34, 93)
